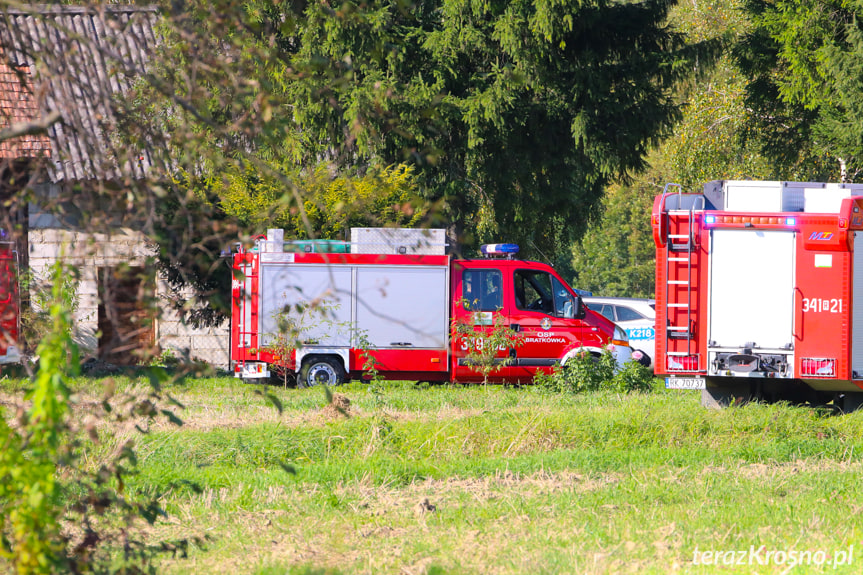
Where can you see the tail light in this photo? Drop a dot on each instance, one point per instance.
(818, 367)
(682, 363)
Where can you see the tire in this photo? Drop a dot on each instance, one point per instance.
(719, 394)
(321, 371)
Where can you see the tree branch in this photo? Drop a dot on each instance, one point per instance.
(30, 128)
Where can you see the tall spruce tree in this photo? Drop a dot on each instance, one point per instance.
(516, 113)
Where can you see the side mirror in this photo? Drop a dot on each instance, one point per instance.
(580, 310)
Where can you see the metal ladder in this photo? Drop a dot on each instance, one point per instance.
(679, 248)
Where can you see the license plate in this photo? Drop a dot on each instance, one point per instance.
(684, 383)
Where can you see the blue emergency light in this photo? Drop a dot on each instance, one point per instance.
(498, 249)
(790, 221)
(709, 219)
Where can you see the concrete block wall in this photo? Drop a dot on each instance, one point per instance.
(87, 252)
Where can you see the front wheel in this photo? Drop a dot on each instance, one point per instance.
(321, 371)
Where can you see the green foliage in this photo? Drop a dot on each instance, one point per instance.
(167, 358)
(36, 319)
(331, 203)
(30, 495)
(586, 372)
(486, 335)
(633, 376)
(517, 114)
(59, 513)
(801, 61)
(712, 140)
(514, 116)
(616, 256)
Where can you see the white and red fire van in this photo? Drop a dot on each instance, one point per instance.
(394, 297)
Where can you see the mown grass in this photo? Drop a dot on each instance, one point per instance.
(455, 479)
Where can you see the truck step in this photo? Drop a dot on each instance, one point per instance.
(680, 247)
(678, 305)
(679, 333)
(678, 282)
(679, 259)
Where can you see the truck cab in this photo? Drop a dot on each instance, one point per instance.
(551, 321)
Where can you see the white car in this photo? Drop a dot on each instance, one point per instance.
(636, 316)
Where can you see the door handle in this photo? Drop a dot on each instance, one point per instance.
(515, 327)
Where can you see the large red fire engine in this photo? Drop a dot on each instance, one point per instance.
(759, 291)
(391, 295)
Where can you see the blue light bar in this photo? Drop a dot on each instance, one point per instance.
(497, 249)
(790, 221)
(709, 219)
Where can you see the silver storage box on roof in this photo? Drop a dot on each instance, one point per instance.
(752, 196)
(776, 196)
(398, 241)
(827, 198)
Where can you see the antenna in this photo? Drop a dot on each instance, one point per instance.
(547, 259)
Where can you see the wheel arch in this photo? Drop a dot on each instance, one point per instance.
(592, 350)
(308, 353)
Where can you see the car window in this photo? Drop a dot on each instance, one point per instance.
(533, 291)
(564, 303)
(481, 290)
(605, 309)
(628, 314)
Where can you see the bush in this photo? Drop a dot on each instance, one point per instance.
(61, 511)
(588, 372)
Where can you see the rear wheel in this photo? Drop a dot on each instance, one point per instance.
(321, 371)
(719, 393)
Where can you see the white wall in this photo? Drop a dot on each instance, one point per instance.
(89, 251)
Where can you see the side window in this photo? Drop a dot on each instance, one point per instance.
(627, 314)
(533, 291)
(607, 311)
(564, 302)
(482, 290)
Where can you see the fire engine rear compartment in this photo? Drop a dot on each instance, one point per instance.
(380, 307)
(770, 275)
(751, 301)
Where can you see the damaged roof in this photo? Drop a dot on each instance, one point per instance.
(74, 60)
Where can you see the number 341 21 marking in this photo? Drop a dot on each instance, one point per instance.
(817, 304)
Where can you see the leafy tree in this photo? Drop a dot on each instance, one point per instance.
(514, 116)
(332, 204)
(616, 256)
(802, 65)
(711, 141)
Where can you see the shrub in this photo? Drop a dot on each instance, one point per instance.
(588, 372)
(60, 512)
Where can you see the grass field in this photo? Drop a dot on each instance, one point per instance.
(451, 479)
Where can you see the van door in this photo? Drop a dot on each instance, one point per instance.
(544, 309)
(478, 301)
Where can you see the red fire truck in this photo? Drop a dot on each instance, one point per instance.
(10, 318)
(759, 291)
(391, 294)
